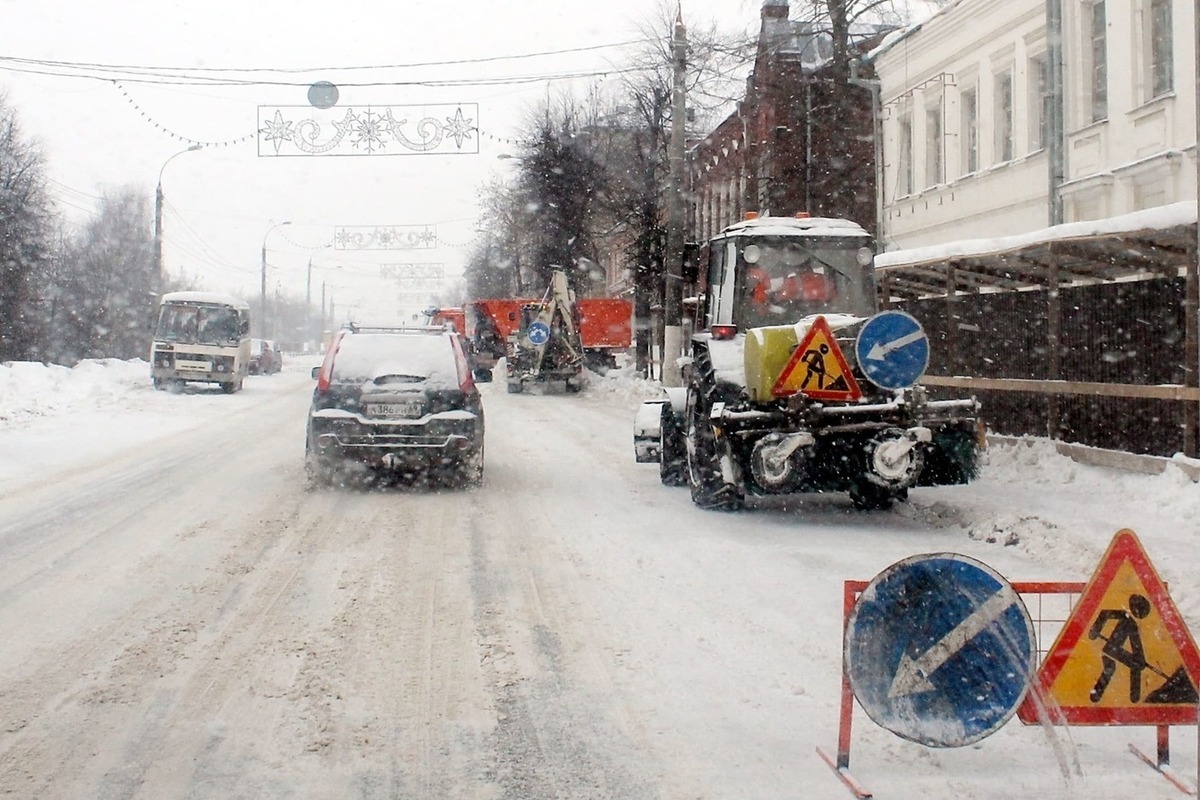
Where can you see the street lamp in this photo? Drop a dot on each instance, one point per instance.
(262, 298)
(308, 294)
(158, 214)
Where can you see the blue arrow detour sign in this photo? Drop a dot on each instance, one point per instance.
(940, 649)
(892, 350)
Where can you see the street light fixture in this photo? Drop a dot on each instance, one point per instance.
(263, 277)
(158, 213)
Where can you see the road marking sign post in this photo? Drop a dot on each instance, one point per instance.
(817, 368)
(892, 350)
(939, 650)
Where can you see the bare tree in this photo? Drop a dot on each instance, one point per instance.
(716, 63)
(107, 283)
(26, 230)
(494, 262)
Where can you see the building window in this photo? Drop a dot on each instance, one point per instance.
(935, 173)
(1004, 116)
(904, 177)
(1162, 65)
(1040, 98)
(969, 131)
(1097, 52)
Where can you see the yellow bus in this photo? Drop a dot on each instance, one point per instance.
(201, 337)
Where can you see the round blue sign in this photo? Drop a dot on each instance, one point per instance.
(940, 649)
(892, 350)
(538, 333)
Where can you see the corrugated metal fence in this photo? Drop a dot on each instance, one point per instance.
(1112, 333)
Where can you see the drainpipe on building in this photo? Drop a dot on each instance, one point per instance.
(1056, 124)
(872, 85)
(1055, 171)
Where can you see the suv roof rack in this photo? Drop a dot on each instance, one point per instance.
(354, 327)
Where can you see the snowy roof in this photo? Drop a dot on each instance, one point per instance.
(792, 226)
(205, 297)
(897, 36)
(1155, 242)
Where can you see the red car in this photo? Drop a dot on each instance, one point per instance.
(265, 357)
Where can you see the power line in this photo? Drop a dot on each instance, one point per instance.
(296, 70)
(199, 76)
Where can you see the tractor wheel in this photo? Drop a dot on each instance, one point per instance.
(704, 452)
(873, 497)
(672, 449)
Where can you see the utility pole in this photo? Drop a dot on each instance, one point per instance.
(1191, 303)
(159, 269)
(672, 348)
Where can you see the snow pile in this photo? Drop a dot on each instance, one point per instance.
(30, 390)
(625, 385)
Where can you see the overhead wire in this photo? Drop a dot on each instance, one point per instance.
(217, 76)
(294, 70)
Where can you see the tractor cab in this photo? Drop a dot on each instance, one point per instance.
(777, 271)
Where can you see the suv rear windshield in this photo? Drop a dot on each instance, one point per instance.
(416, 356)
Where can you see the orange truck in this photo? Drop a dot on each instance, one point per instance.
(489, 324)
(605, 328)
(455, 316)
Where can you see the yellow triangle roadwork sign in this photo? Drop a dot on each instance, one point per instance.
(1124, 656)
(817, 368)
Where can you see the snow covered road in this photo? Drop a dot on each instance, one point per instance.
(182, 618)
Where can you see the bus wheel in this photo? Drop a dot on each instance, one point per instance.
(232, 386)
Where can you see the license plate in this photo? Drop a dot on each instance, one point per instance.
(195, 366)
(394, 410)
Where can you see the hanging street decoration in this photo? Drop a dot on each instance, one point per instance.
(414, 277)
(322, 94)
(415, 271)
(367, 130)
(385, 237)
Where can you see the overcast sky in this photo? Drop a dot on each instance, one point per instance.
(223, 200)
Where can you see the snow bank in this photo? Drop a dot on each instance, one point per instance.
(30, 390)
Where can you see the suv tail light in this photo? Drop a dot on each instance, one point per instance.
(325, 375)
(466, 379)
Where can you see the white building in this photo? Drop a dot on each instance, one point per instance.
(964, 101)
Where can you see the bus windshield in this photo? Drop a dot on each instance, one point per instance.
(198, 324)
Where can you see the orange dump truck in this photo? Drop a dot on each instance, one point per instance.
(489, 323)
(455, 316)
(605, 327)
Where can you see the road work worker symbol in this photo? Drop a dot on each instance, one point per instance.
(817, 368)
(1124, 655)
(1122, 645)
(815, 359)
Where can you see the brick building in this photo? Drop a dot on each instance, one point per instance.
(802, 138)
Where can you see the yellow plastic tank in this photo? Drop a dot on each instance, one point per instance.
(767, 352)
